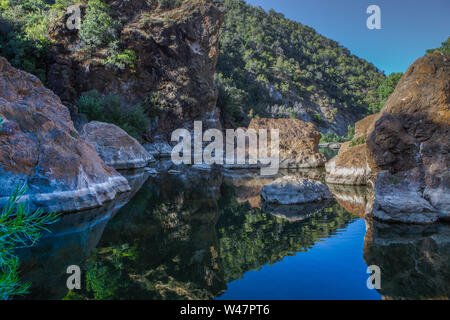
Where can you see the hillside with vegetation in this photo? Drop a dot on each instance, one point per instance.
(270, 66)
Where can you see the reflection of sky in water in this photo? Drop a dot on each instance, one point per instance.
(201, 235)
(332, 269)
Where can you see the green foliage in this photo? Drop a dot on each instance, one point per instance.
(331, 137)
(19, 226)
(110, 109)
(24, 33)
(120, 60)
(445, 47)
(1, 122)
(358, 141)
(97, 28)
(385, 89)
(262, 52)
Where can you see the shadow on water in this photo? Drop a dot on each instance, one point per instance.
(188, 233)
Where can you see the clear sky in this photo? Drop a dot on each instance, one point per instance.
(408, 27)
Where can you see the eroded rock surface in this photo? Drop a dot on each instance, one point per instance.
(294, 190)
(40, 148)
(299, 141)
(115, 146)
(409, 140)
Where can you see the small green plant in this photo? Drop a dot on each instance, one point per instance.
(19, 226)
(98, 28)
(110, 108)
(358, 141)
(1, 122)
(122, 60)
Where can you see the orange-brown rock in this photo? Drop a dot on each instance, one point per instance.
(409, 142)
(299, 141)
(40, 148)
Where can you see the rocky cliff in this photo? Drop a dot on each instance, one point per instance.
(407, 148)
(160, 56)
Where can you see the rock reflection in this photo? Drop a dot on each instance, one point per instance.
(186, 235)
(70, 242)
(414, 259)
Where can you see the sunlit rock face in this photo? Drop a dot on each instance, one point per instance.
(40, 148)
(116, 148)
(409, 142)
(350, 166)
(292, 190)
(413, 259)
(299, 141)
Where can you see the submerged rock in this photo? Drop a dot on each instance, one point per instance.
(410, 140)
(292, 190)
(115, 146)
(42, 150)
(299, 141)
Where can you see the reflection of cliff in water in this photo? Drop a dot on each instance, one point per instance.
(414, 259)
(70, 242)
(185, 235)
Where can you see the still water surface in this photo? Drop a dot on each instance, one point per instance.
(190, 233)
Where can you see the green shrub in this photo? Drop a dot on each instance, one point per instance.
(445, 47)
(110, 109)
(358, 141)
(18, 227)
(97, 28)
(331, 137)
(121, 60)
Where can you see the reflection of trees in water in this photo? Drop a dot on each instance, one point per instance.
(414, 259)
(250, 239)
(174, 243)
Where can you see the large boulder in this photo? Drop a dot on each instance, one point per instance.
(299, 141)
(115, 146)
(293, 190)
(40, 148)
(409, 142)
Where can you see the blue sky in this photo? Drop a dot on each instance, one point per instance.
(409, 27)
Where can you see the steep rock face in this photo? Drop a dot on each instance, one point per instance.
(409, 142)
(173, 75)
(116, 148)
(40, 148)
(351, 165)
(298, 141)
